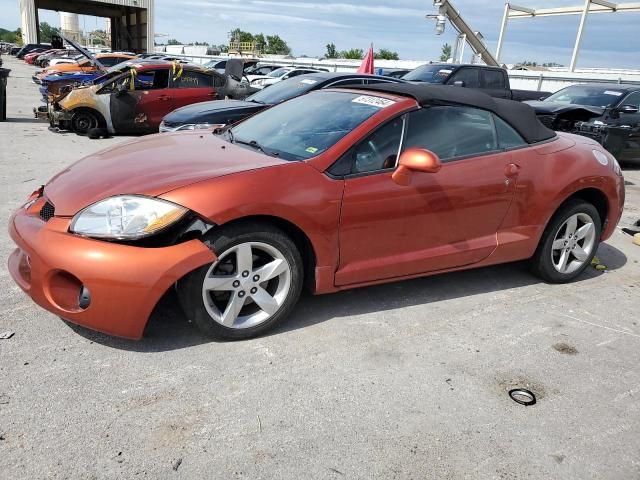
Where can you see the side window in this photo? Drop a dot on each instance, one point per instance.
(152, 79)
(295, 73)
(193, 79)
(507, 136)
(470, 77)
(493, 79)
(633, 99)
(379, 150)
(451, 132)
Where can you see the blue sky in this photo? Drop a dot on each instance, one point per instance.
(611, 40)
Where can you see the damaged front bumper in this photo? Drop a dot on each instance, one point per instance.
(101, 285)
(58, 117)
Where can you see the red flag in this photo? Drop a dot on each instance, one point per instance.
(367, 63)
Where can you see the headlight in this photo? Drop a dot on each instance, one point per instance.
(199, 126)
(126, 217)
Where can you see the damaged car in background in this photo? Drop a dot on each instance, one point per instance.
(135, 101)
(606, 112)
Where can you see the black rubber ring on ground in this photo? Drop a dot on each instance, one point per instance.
(523, 392)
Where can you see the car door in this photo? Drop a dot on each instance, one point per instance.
(626, 129)
(493, 82)
(144, 101)
(192, 86)
(440, 221)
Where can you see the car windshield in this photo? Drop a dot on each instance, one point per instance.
(281, 91)
(587, 95)
(279, 72)
(428, 74)
(306, 126)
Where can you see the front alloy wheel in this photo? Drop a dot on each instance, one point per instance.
(247, 285)
(254, 283)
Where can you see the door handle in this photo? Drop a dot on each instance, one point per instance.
(164, 98)
(511, 170)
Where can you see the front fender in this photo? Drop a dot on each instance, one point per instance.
(295, 192)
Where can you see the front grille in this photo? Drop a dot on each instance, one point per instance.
(47, 211)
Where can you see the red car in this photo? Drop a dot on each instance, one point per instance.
(31, 56)
(135, 100)
(337, 189)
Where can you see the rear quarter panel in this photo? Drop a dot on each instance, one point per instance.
(549, 174)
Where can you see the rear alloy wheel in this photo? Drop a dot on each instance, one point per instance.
(254, 284)
(569, 243)
(83, 121)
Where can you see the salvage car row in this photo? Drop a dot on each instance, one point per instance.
(119, 93)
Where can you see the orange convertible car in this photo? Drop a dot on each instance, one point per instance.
(336, 189)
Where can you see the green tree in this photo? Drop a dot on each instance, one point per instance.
(277, 46)
(173, 41)
(384, 54)
(238, 35)
(261, 42)
(9, 36)
(100, 37)
(47, 31)
(223, 48)
(353, 54)
(332, 51)
(446, 52)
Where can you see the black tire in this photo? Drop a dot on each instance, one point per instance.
(541, 262)
(221, 240)
(84, 120)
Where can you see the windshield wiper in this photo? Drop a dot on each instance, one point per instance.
(256, 145)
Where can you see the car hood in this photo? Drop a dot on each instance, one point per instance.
(152, 165)
(550, 108)
(209, 110)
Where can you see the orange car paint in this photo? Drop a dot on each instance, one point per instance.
(364, 230)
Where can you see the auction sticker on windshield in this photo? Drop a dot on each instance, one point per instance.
(308, 81)
(373, 101)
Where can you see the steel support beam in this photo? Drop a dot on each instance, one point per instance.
(447, 9)
(598, 6)
(590, 6)
(503, 27)
(576, 47)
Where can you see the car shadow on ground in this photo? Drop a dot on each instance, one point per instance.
(25, 120)
(168, 329)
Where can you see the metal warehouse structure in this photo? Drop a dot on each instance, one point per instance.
(590, 6)
(131, 20)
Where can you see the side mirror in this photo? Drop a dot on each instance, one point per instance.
(628, 109)
(415, 160)
(458, 83)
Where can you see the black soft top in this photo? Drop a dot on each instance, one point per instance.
(520, 116)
